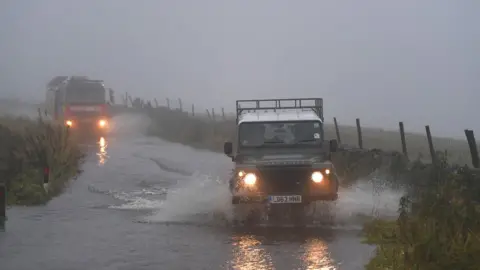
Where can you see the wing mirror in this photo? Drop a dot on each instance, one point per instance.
(333, 146)
(228, 148)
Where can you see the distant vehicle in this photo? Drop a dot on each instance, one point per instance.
(281, 157)
(79, 103)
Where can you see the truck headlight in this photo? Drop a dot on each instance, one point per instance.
(317, 177)
(102, 123)
(69, 123)
(250, 179)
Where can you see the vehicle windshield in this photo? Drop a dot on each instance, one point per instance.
(255, 134)
(85, 92)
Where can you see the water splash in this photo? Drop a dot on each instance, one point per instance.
(144, 199)
(203, 198)
(364, 201)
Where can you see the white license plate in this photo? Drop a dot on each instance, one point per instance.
(285, 199)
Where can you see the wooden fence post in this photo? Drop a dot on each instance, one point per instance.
(213, 114)
(208, 114)
(46, 177)
(180, 104)
(359, 131)
(223, 113)
(472, 144)
(402, 138)
(156, 102)
(337, 131)
(193, 110)
(168, 103)
(430, 145)
(3, 203)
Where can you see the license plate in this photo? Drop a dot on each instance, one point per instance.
(285, 199)
(84, 108)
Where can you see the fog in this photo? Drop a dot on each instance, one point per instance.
(381, 61)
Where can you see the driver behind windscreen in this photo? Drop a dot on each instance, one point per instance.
(280, 132)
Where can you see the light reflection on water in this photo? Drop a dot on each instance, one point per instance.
(251, 251)
(316, 256)
(248, 254)
(102, 153)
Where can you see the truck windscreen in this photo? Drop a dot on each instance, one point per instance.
(85, 92)
(255, 134)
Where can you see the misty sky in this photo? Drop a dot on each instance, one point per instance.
(382, 61)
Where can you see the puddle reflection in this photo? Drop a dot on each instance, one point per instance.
(102, 151)
(248, 254)
(260, 249)
(316, 256)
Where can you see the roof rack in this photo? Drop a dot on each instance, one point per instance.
(315, 104)
(83, 78)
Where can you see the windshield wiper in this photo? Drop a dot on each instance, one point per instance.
(272, 142)
(307, 140)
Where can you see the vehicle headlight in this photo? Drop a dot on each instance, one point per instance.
(102, 123)
(317, 177)
(250, 179)
(69, 123)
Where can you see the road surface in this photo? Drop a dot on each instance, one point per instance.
(143, 203)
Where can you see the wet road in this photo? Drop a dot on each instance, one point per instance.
(143, 203)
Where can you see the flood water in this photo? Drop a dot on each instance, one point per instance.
(143, 203)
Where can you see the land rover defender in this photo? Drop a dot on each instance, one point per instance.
(281, 155)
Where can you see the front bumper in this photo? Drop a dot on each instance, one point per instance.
(290, 183)
(91, 126)
(264, 199)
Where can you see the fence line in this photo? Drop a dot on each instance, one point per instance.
(139, 103)
(468, 133)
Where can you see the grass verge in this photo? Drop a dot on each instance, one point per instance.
(438, 226)
(27, 147)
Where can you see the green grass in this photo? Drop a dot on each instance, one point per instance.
(26, 148)
(438, 226)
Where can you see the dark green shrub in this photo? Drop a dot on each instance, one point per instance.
(438, 226)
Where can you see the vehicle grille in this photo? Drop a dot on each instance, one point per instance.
(284, 179)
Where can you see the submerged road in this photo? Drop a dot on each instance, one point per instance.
(143, 203)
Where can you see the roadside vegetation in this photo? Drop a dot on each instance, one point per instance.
(27, 148)
(438, 226)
